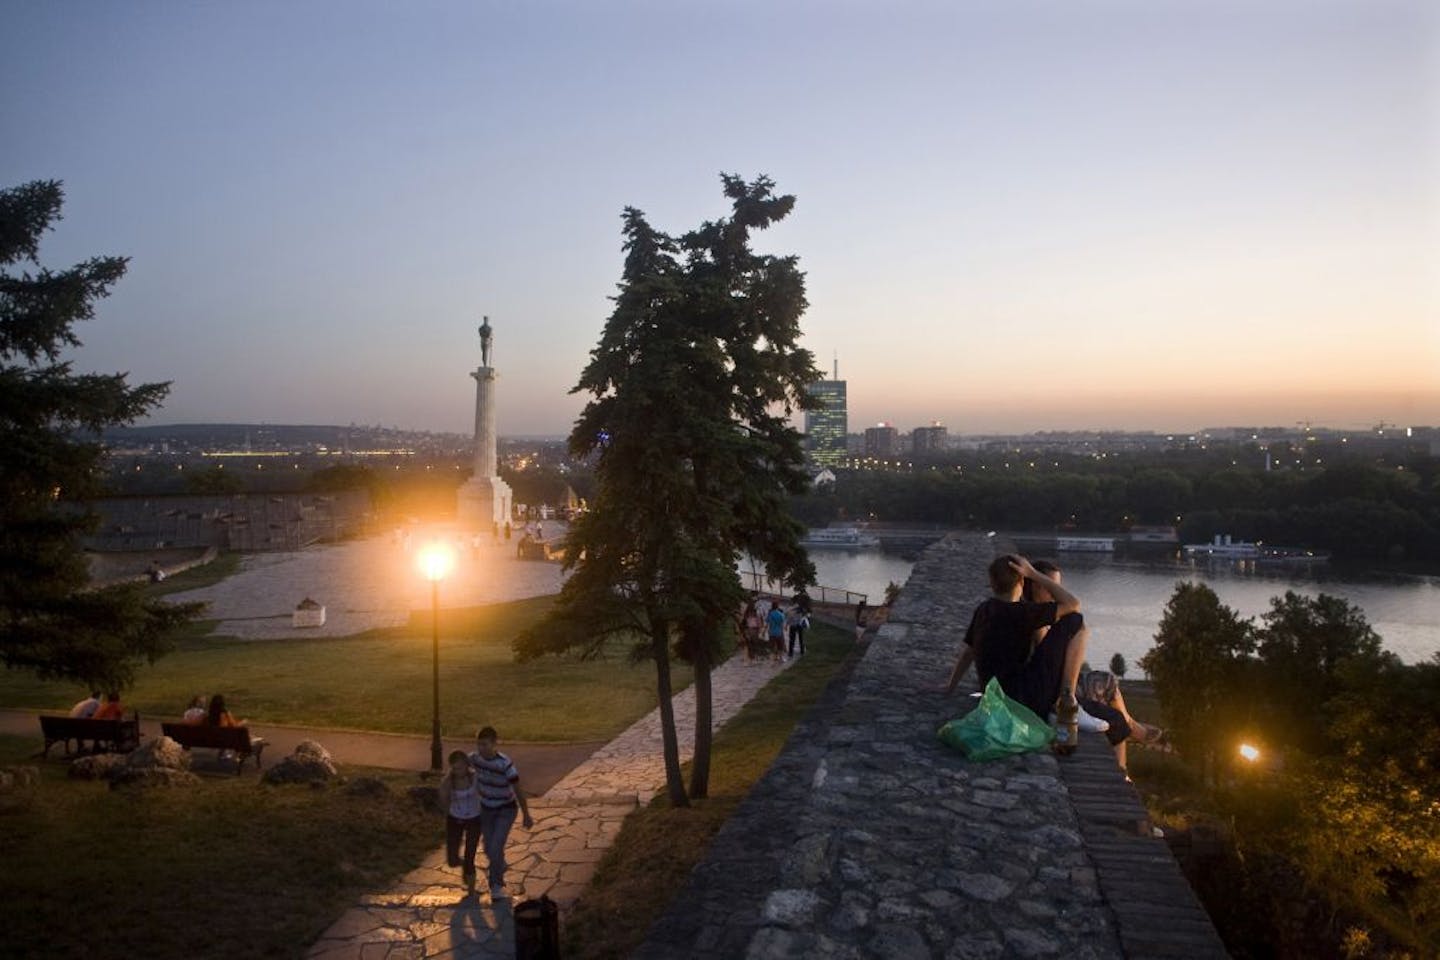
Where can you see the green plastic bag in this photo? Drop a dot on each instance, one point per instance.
(997, 727)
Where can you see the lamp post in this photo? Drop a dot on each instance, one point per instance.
(435, 561)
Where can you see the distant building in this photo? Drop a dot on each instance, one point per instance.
(928, 441)
(825, 429)
(882, 440)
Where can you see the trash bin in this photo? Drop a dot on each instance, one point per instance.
(537, 930)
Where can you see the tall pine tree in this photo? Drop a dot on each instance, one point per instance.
(694, 381)
(54, 624)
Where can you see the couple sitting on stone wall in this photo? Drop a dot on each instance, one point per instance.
(1030, 636)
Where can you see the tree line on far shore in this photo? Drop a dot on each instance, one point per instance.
(1354, 509)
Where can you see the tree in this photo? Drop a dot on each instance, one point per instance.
(1311, 650)
(693, 382)
(1197, 665)
(53, 623)
(742, 311)
(213, 481)
(1118, 665)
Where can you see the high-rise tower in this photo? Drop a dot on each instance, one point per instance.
(826, 429)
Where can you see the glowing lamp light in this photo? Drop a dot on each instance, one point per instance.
(436, 560)
(1249, 752)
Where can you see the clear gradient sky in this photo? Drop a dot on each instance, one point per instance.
(1013, 215)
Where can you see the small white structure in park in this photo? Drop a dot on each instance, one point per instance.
(483, 501)
(308, 613)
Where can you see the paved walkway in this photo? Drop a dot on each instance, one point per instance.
(431, 913)
(367, 584)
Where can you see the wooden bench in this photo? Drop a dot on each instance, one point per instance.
(238, 739)
(117, 736)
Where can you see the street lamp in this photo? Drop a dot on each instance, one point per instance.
(436, 559)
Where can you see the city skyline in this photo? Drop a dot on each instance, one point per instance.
(1013, 217)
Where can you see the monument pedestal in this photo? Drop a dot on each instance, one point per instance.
(482, 502)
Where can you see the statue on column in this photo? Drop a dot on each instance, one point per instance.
(485, 337)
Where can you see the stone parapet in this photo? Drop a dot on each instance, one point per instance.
(868, 838)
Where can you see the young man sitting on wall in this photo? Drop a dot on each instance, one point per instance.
(998, 641)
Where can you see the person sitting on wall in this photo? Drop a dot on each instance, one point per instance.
(1098, 691)
(998, 643)
(1100, 696)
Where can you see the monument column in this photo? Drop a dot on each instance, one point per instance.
(484, 500)
(484, 457)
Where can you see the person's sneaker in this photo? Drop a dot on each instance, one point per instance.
(1089, 724)
(1067, 733)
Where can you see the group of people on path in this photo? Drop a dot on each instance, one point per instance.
(1029, 635)
(766, 623)
(481, 797)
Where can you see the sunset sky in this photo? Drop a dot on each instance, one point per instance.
(1013, 215)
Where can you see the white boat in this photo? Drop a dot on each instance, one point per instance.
(847, 537)
(1225, 548)
(1085, 544)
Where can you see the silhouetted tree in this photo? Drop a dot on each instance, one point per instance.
(1310, 651)
(214, 481)
(694, 380)
(54, 624)
(1197, 665)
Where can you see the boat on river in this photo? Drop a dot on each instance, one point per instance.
(1224, 548)
(846, 538)
(1085, 544)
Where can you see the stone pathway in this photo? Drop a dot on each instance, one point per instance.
(430, 912)
(868, 838)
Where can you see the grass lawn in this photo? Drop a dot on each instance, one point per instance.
(380, 680)
(227, 869)
(659, 845)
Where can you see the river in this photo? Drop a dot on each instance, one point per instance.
(1124, 599)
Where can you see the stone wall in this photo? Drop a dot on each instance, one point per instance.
(868, 838)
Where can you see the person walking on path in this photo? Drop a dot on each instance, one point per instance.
(750, 629)
(798, 621)
(860, 611)
(460, 796)
(500, 795)
(775, 619)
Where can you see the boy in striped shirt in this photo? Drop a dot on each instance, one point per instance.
(500, 795)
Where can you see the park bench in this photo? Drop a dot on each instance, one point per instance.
(237, 739)
(115, 736)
